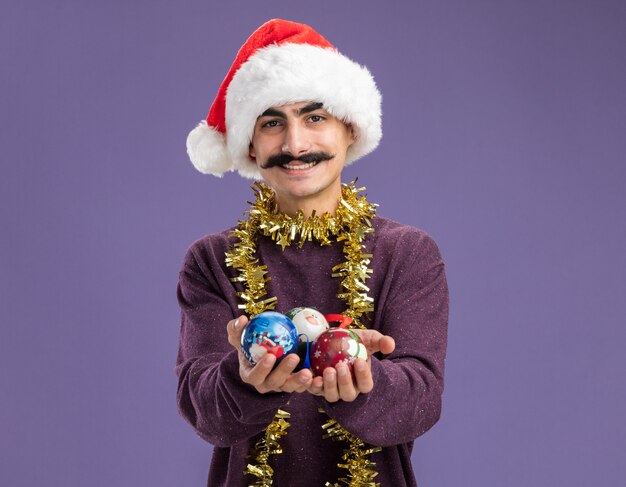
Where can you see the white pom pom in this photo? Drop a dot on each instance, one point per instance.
(206, 148)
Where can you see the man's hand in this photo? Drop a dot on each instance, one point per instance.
(375, 341)
(263, 376)
(337, 383)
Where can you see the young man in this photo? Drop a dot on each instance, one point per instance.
(292, 111)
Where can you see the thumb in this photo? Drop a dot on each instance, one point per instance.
(387, 345)
(235, 330)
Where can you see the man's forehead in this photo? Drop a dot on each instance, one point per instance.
(298, 108)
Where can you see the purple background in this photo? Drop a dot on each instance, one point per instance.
(505, 138)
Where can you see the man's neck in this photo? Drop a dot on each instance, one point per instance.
(324, 203)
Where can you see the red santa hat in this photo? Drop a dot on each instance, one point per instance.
(281, 63)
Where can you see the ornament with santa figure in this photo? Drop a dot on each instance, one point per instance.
(269, 332)
(309, 322)
(334, 346)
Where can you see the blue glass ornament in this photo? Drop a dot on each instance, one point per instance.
(269, 332)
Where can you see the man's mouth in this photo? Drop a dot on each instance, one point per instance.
(298, 166)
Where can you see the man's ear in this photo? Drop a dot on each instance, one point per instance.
(352, 133)
(251, 152)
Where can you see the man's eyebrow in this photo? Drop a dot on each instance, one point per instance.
(311, 107)
(273, 112)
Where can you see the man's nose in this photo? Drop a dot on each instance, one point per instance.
(296, 140)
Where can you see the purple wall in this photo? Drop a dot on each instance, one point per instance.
(505, 138)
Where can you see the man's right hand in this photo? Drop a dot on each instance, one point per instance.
(263, 376)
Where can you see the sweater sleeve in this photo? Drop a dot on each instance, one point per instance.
(408, 384)
(211, 395)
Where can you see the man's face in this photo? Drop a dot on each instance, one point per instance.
(300, 150)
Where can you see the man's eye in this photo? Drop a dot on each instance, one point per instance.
(316, 118)
(271, 123)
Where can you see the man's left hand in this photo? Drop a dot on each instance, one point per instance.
(338, 384)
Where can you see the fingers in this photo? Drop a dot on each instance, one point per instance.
(277, 378)
(345, 383)
(387, 345)
(256, 375)
(317, 386)
(331, 392)
(363, 375)
(298, 382)
(338, 383)
(265, 378)
(375, 341)
(284, 379)
(235, 329)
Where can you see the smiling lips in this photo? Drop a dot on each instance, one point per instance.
(298, 166)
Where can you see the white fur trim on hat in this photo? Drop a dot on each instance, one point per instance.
(207, 150)
(292, 73)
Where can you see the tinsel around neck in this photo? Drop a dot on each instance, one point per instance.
(353, 212)
(350, 224)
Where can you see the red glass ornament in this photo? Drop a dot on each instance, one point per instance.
(334, 346)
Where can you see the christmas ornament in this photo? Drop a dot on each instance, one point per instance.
(335, 346)
(269, 332)
(309, 322)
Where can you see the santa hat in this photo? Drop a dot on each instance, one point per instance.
(281, 63)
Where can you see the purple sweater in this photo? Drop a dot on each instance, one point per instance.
(410, 294)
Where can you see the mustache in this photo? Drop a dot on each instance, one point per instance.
(285, 158)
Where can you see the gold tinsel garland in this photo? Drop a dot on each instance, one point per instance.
(268, 445)
(350, 224)
(360, 469)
